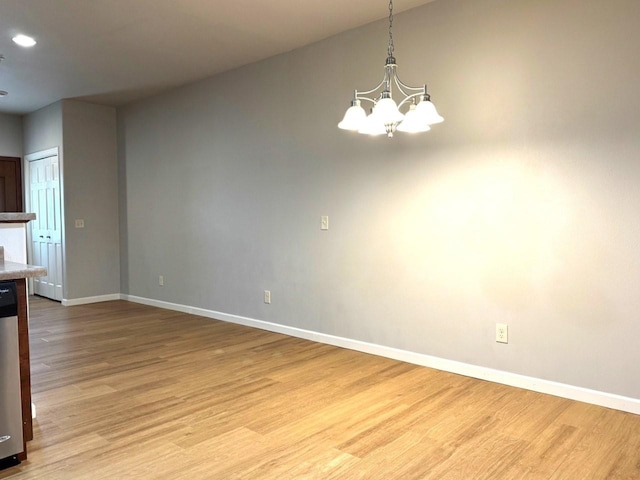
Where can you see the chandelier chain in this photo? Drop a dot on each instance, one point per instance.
(390, 49)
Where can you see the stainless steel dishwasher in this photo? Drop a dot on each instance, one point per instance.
(11, 443)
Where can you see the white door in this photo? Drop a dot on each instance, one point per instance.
(46, 229)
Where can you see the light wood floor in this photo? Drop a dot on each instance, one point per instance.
(126, 391)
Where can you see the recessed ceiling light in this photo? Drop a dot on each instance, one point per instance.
(24, 41)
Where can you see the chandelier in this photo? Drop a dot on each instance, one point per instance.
(385, 114)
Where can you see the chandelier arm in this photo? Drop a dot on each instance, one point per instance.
(407, 91)
(400, 88)
(407, 95)
(399, 82)
(409, 98)
(358, 93)
(367, 99)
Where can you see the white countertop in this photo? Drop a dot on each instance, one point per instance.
(13, 271)
(19, 217)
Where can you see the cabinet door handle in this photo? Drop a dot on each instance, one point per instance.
(48, 236)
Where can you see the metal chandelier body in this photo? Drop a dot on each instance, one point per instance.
(386, 115)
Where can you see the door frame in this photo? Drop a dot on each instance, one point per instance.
(26, 176)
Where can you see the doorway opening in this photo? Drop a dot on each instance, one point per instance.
(10, 184)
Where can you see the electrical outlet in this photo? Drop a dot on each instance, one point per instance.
(79, 223)
(502, 333)
(161, 280)
(267, 296)
(324, 222)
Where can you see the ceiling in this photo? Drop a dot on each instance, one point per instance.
(114, 52)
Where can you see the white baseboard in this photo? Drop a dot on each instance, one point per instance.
(595, 397)
(86, 300)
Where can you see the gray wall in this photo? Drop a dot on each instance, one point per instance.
(522, 208)
(42, 129)
(90, 194)
(86, 137)
(10, 135)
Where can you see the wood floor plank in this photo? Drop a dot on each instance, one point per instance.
(127, 391)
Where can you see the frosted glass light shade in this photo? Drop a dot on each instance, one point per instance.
(428, 113)
(413, 123)
(373, 125)
(354, 117)
(387, 111)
